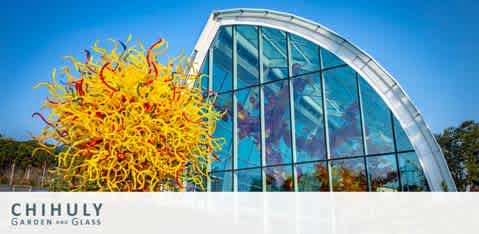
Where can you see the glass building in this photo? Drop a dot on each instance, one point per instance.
(305, 110)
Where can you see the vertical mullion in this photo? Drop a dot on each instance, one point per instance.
(235, 111)
(291, 113)
(325, 120)
(210, 70)
(261, 109)
(208, 93)
(363, 130)
(396, 155)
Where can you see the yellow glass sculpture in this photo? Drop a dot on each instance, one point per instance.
(129, 123)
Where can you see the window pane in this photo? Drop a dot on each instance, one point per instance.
(224, 129)
(249, 180)
(412, 175)
(304, 55)
(274, 54)
(313, 177)
(203, 81)
(277, 123)
(349, 175)
(377, 121)
(329, 59)
(221, 181)
(343, 112)
(308, 114)
(247, 55)
(402, 141)
(248, 128)
(279, 178)
(222, 60)
(382, 172)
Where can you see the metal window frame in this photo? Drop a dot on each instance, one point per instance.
(363, 129)
(428, 151)
(234, 159)
(292, 112)
(396, 150)
(261, 108)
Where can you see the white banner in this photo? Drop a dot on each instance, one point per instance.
(245, 213)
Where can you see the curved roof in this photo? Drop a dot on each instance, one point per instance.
(423, 141)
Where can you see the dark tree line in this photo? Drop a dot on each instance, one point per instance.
(460, 146)
(17, 156)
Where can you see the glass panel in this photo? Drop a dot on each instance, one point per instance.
(277, 123)
(279, 178)
(329, 59)
(308, 114)
(221, 181)
(412, 175)
(203, 81)
(249, 180)
(343, 112)
(349, 175)
(222, 60)
(274, 54)
(304, 55)
(248, 128)
(402, 141)
(313, 177)
(382, 172)
(377, 121)
(247, 55)
(224, 129)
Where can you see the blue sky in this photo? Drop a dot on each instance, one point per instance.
(430, 47)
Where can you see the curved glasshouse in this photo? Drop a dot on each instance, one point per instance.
(308, 111)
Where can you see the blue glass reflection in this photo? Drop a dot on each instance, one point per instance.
(412, 175)
(221, 181)
(248, 128)
(249, 180)
(344, 123)
(402, 141)
(203, 81)
(312, 177)
(224, 129)
(304, 55)
(279, 178)
(247, 55)
(343, 120)
(222, 60)
(382, 172)
(329, 59)
(377, 121)
(308, 113)
(275, 54)
(349, 175)
(277, 123)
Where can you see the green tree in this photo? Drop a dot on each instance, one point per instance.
(460, 146)
(17, 155)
